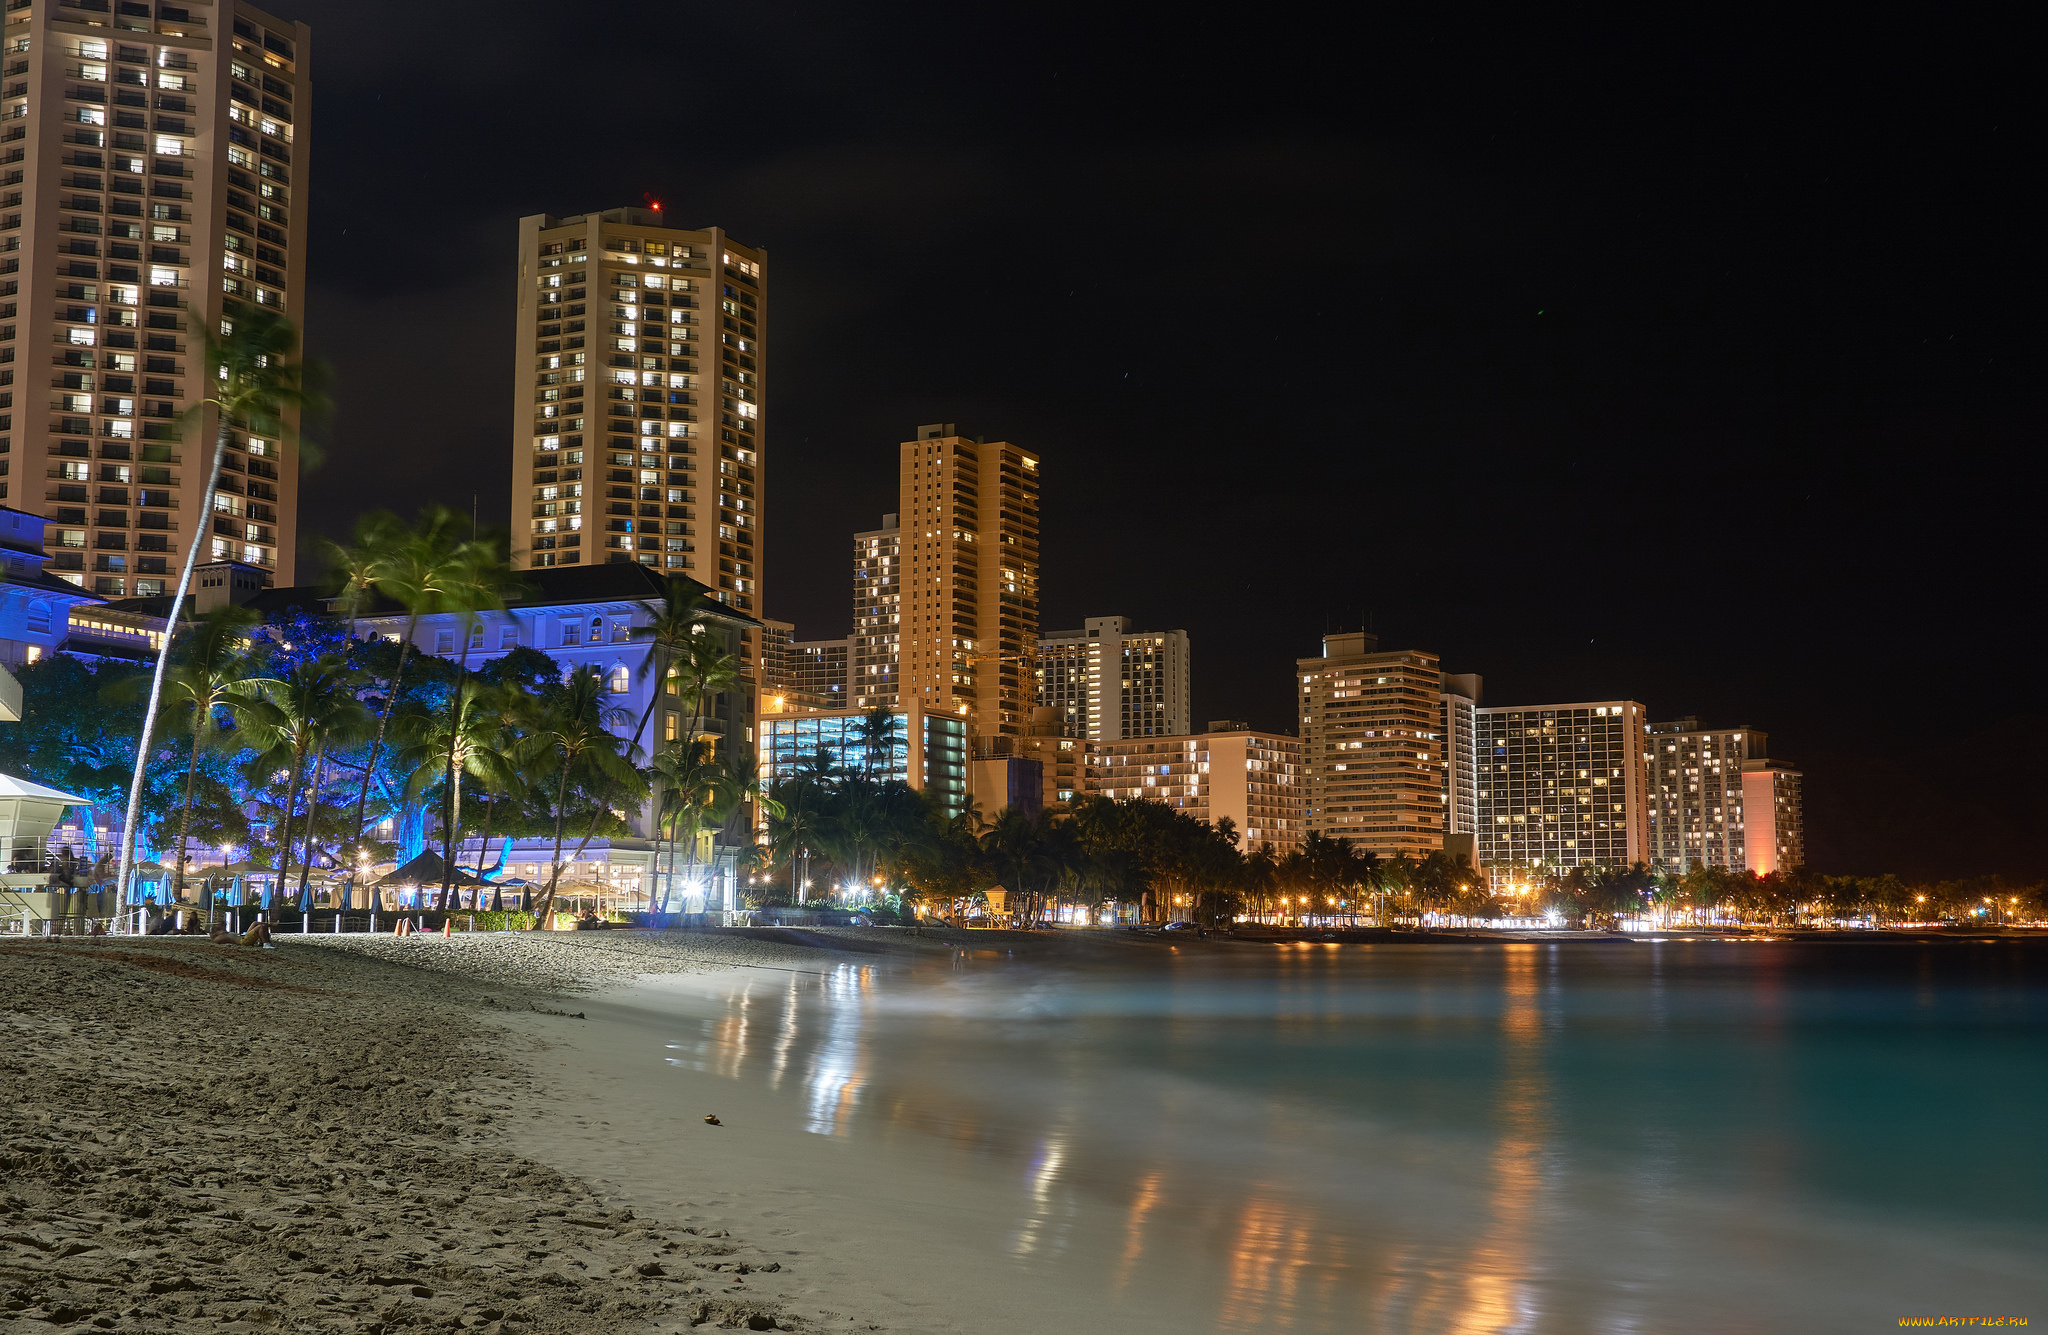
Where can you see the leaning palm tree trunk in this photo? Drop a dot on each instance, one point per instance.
(412, 626)
(312, 813)
(185, 820)
(163, 658)
(284, 850)
(547, 900)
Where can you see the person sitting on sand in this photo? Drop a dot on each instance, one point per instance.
(259, 935)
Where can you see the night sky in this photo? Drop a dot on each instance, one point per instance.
(1668, 356)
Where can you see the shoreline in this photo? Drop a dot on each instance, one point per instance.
(382, 1133)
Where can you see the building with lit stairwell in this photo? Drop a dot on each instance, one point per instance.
(151, 178)
(1717, 800)
(1235, 771)
(877, 616)
(1110, 682)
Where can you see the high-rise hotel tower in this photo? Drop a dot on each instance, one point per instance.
(968, 619)
(152, 162)
(638, 389)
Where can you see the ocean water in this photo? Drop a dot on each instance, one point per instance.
(1639, 1137)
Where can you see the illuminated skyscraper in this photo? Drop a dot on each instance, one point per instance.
(969, 580)
(1111, 682)
(1562, 786)
(877, 614)
(150, 180)
(639, 380)
(1372, 751)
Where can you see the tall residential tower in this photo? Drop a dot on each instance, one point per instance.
(152, 165)
(968, 536)
(1372, 754)
(877, 616)
(1562, 786)
(1110, 682)
(639, 380)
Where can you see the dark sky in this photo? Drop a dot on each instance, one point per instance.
(1648, 354)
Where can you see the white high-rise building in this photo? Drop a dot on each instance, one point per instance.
(1458, 724)
(1110, 682)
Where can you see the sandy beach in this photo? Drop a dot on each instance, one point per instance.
(331, 1135)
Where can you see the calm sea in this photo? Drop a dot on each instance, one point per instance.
(1640, 1137)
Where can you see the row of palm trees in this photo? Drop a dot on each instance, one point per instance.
(844, 819)
(327, 733)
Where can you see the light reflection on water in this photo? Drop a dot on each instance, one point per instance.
(1518, 1138)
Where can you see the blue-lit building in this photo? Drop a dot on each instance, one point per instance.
(791, 742)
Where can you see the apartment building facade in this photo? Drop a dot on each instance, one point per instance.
(799, 675)
(1457, 729)
(968, 615)
(1372, 754)
(639, 388)
(1233, 770)
(1718, 800)
(877, 616)
(1563, 786)
(1773, 817)
(151, 182)
(1109, 682)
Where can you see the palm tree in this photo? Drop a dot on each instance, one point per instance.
(877, 732)
(683, 774)
(465, 742)
(735, 785)
(312, 709)
(483, 581)
(256, 386)
(678, 618)
(702, 669)
(422, 569)
(571, 735)
(214, 673)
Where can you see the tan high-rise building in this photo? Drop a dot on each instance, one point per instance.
(1372, 745)
(151, 177)
(639, 380)
(877, 616)
(1233, 770)
(969, 580)
(1774, 817)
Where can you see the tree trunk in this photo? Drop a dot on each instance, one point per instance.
(312, 814)
(450, 837)
(660, 688)
(483, 849)
(547, 899)
(185, 821)
(412, 626)
(163, 658)
(291, 795)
